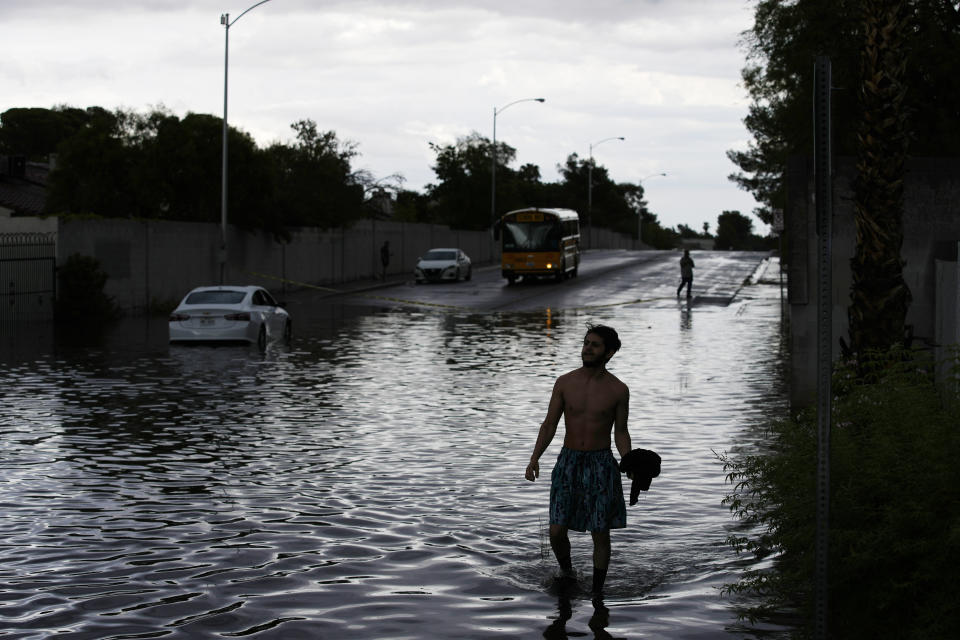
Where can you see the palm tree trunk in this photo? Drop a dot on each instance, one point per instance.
(879, 295)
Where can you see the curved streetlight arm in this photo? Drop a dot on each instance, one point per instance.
(501, 109)
(599, 142)
(590, 177)
(493, 157)
(653, 175)
(225, 18)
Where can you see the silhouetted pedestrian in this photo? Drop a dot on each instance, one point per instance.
(686, 272)
(385, 258)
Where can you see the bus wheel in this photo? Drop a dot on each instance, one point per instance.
(563, 272)
(511, 280)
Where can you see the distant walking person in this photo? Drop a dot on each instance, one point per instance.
(686, 272)
(385, 258)
(585, 489)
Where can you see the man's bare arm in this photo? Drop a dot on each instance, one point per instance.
(621, 436)
(547, 430)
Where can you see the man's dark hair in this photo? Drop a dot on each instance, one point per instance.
(611, 341)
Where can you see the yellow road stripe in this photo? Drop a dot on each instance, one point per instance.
(438, 305)
(300, 284)
(361, 294)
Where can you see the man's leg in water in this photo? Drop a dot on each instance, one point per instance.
(561, 548)
(601, 559)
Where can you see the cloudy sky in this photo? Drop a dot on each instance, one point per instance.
(394, 76)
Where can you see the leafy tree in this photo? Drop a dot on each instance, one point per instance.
(94, 169)
(734, 231)
(527, 187)
(781, 46)
(36, 132)
(412, 206)
(660, 237)
(181, 170)
(614, 206)
(653, 234)
(686, 232)
(159, 166)
(462, 193)
(313, 181)
(461, 196)
(124, 165)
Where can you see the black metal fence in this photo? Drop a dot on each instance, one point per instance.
(28, 264)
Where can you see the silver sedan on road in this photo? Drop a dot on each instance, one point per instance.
(231, 314)
(443, 264)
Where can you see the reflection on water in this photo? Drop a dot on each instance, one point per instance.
(366, 482)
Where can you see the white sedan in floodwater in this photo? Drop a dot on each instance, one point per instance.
(230, 314)
(443, 264)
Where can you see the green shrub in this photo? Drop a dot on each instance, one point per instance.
(81, 300)
(894, 506)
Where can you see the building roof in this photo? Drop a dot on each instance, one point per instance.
(26, 196)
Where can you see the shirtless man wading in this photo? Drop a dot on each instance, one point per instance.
(585, 489)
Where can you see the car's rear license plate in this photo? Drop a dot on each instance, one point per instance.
(207, 321)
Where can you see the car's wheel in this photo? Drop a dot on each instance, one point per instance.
(287, 331)
(457, 279)
(262, 338)
(469, 272)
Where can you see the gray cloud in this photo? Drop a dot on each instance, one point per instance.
(395, 75)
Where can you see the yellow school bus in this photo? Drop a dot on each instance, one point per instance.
(539, 242)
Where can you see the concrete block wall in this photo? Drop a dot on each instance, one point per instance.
(947, 330)
(155, 262)
(931, 230)
(600, 238)
(26, 224)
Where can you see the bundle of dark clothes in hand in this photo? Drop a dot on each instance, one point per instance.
(643, 466)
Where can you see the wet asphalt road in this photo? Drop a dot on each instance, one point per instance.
(606, 278)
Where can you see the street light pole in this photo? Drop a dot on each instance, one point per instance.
(640, 212)
(590, 184)
(493, 159)
(227, 23)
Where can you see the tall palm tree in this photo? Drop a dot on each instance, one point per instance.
(879, 295)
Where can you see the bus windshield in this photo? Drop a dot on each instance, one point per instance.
(531, 236)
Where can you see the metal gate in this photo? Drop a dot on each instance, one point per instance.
(28, 263)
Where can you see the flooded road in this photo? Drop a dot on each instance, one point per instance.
(367, 480)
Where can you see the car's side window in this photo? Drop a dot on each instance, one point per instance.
(268, 299)
(258, 299)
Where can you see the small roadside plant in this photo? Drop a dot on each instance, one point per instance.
(81, 301)
(894, 506)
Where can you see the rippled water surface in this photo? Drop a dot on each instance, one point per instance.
(367, 481)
